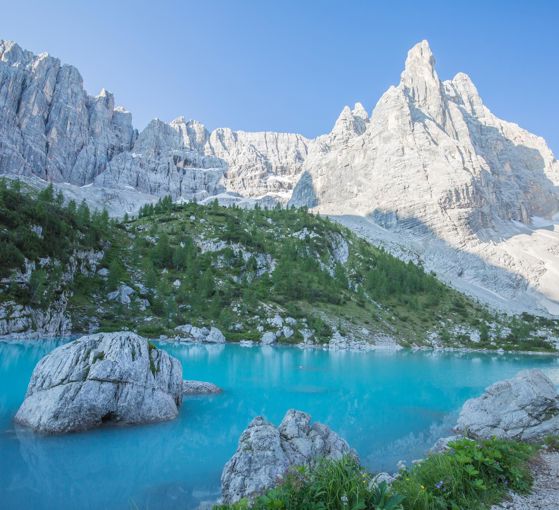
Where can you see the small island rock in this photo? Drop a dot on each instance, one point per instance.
(107, 377)
(266, 453)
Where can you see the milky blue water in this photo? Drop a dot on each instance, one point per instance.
(389, 406)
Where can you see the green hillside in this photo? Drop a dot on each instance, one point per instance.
(235, 269)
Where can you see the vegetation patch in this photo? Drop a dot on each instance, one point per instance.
(471, 475)
(234, 269)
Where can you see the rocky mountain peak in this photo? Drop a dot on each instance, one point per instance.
(463, 90)
(420, 64)
(350, 122)
(420, 82)
(359, 111)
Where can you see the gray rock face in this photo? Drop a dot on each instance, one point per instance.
(107, 377)
(190, 333)
(190, 387)
(525, 407)
(442, 444)
(49, 126)
(266, 453)
(122, 294)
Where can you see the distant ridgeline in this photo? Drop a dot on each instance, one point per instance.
(65, 269)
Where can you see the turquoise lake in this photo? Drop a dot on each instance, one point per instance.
(388, 405)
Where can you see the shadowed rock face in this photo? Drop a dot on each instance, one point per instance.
(265, 453)
(108, 377)
(525, 408)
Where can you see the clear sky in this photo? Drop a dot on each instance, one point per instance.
(292, 65)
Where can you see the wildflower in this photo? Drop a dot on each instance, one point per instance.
(439, 484)
(344, 499)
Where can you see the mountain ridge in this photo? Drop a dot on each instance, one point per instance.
(431, 168)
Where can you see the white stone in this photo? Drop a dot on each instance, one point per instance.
(525, 407)
(108, 377)
(268, 338)
(215, 336)
(122, 294)
(265, 453)
(190, 387)
(287, 332)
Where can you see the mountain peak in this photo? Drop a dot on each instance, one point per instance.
(420, 81)
(420, 63)
(359, 111)
(421, 52)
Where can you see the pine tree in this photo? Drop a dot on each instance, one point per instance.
(116, 274)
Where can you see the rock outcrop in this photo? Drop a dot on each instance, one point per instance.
(266, 453)
(103, 378)
(525, 408)
(190, 333)
(435, 177)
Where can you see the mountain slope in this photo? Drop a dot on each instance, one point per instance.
(248, 272)
(434, 173)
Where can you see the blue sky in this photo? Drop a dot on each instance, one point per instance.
(293, 65)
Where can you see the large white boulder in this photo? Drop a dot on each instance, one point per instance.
(266, 453)
(108, 377)
(525, 407)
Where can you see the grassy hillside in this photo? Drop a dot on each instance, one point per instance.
(235, 269)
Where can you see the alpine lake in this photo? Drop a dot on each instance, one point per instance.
(389, 406)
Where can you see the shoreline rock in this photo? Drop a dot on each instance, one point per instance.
(103, 378)
(525, 408)
(265, 453)
(190, 333)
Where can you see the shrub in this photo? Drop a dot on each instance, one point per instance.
(331, 485)
(470, 476)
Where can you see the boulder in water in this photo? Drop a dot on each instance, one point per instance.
(108, 377)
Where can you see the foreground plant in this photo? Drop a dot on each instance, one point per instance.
(470, 475)
(337, 485)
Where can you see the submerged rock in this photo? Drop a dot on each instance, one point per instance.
(266, 453)
(107, 377)
(199, 388)
(525, 407)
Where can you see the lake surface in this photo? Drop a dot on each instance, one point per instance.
(388, 405)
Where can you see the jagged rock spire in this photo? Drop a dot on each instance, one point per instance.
(421, 83)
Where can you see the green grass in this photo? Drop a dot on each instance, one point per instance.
(331, 485)
(470, 476)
